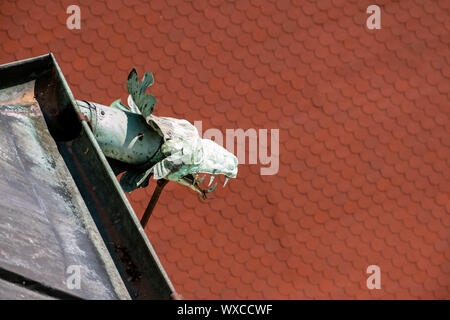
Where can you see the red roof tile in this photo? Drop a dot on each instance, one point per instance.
(364, 137)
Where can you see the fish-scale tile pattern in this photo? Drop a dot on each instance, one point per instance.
(364, 135)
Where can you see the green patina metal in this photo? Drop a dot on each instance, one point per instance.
(123, 136)
(162, 147)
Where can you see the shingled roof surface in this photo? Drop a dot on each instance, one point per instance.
(364, 175)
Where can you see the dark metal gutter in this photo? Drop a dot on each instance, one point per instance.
(131, 251)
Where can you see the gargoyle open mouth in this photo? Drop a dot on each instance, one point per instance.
(196, 182)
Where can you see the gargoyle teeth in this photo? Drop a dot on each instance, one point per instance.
(212, 188)
(211, 180)
(226, 181)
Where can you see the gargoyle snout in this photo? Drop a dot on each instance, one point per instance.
(218, 160)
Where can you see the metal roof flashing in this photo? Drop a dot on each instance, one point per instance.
(62, 204)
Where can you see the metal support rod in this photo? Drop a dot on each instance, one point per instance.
(160, 184)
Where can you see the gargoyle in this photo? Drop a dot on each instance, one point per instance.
(144, 145)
